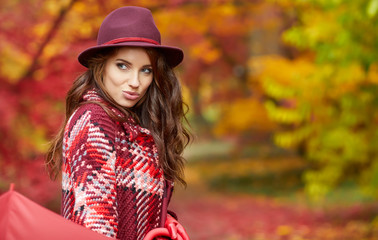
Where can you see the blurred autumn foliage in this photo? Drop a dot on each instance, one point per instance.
(326, 98)
(301, 76)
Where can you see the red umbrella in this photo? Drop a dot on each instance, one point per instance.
(21, 218)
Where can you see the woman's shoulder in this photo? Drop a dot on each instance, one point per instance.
(92, 113)
(94, 109)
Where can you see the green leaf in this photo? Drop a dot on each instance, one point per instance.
(372, 8)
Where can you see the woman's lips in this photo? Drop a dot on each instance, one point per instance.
(129, 95)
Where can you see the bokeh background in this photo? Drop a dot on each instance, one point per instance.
(283, 98)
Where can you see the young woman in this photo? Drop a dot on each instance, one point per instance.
(120, 149)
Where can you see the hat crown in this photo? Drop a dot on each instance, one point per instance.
(131, 27)
(128, 22)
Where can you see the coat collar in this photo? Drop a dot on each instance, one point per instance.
(132, 128)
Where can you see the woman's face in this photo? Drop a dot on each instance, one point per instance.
(127, 75)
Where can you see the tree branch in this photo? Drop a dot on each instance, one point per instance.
(54, 28)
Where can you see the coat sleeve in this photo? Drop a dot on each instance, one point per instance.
(89, 179)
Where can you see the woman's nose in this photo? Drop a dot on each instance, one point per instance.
(134, 80)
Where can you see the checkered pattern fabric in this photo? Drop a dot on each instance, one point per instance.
(111, 179)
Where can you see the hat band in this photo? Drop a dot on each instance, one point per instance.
(131, 39)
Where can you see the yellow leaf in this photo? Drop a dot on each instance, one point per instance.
(284, 230)
(13, 62)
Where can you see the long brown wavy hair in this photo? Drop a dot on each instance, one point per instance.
(162, 111)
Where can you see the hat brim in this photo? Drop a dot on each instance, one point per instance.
(173, 55)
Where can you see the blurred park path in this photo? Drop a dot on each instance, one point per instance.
(209, 215)
(257, 196)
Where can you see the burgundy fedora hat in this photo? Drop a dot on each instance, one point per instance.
(131, 26)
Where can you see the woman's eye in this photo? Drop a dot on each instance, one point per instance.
(147, 70)
(122, 66)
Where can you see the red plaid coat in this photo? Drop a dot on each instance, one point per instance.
(111, 180)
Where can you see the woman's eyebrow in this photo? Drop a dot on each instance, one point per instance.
(129, 63)
(123, 60)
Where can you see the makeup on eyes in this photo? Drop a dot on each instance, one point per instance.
(120, 62)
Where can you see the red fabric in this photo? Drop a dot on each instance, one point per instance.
(131, 39)
(21, 218)
(111, 178)
(157, 232)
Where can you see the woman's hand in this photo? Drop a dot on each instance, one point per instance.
(176, 230)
